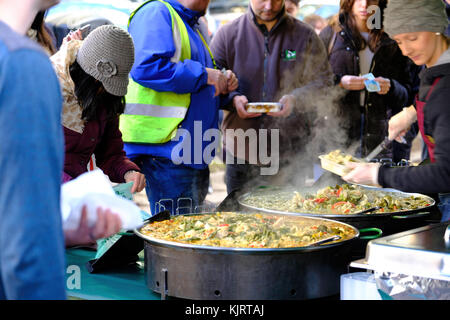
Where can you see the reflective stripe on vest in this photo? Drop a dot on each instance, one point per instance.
(155, 111)
(153, 116)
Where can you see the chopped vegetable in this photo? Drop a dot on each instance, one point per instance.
(340, 199)
(251, 230)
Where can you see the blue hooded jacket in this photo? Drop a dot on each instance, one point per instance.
(151, 30)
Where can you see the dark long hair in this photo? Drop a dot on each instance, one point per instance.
(43, 36)
(346, 17)
(91, 95)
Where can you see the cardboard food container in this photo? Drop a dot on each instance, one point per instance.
(334, 167)
(263, 107)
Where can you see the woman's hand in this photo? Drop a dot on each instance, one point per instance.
(107, 224)
(363, 173)
(399, 124)
(138, 179)
(385, 85)
(352, 83)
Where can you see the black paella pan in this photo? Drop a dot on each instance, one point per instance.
(193, 271)
(273, 198)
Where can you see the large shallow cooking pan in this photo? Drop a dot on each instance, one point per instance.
(387, 221)
(191, 271)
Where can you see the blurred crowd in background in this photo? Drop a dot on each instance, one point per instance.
(76, 13)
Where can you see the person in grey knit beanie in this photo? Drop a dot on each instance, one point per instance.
(418, 27)
(107, 54)
(405, 16)
(94, 79)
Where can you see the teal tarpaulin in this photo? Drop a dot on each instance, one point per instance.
(126, 283)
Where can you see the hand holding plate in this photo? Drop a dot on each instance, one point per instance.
(288, 103)
(366, 173)
(239, 103)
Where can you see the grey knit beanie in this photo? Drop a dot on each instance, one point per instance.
(107, 54)
(405, 16)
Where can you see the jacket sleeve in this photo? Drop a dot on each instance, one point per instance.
(31, 158)
(109, 153)
(316, 80)
(218, 48)
(151, 30)
(432, 177)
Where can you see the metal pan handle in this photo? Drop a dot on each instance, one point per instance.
(378, 233)
(412, 215)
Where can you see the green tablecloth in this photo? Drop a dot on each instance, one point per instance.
(126, 283)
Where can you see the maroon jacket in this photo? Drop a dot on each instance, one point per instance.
(103, 138)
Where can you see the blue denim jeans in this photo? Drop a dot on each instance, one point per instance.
(444, 206)
(177, 188)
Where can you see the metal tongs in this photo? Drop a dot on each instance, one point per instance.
(382, 146)
(160, 216)
(322, 241)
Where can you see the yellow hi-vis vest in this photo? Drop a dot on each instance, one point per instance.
(152, 116)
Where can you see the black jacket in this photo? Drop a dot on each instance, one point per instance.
(373, 117)
(433, 177)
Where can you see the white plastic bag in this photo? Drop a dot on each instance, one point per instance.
(94, 190)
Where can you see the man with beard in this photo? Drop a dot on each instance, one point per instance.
(172, 99)
(276, 58)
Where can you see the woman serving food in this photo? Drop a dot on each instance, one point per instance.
(418, 27)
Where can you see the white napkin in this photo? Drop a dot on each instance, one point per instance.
(94, 190)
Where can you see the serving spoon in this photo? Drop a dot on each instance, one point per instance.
(369, 210)
(322, 241)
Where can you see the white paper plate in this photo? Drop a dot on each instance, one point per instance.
(263, 107)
